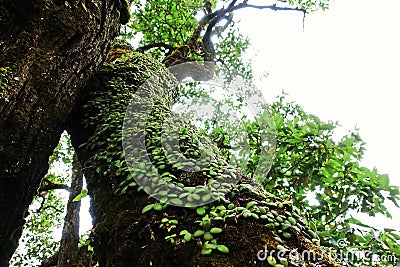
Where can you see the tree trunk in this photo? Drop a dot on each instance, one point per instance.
(68, 253)
(48, 49)
(167, 235)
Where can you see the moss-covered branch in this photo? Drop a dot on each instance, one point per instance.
(133, 229)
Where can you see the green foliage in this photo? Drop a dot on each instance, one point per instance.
(106, 111)
(310, 5)
(40, 238)
(229, 50)
(279, 215)
(168, 22)
(147, 208)
(308, 161)
(62, 154)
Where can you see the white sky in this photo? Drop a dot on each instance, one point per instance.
(343, 67)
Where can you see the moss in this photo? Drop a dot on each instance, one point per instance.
(8, 83)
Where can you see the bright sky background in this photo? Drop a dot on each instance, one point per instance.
(344, 66)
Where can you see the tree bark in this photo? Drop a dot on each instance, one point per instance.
(48, 49)
(123, 234)
(68, 253)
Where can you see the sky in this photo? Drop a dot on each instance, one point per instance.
(343, 66)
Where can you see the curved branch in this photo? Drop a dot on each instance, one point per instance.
(49, 185)
(154, 45)
(193, 44)
(273, 7)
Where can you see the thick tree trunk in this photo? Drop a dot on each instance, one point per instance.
(47, 51)
(123, 234)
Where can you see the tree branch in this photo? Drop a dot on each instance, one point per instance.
(206, 71)
(209, 22)
(68, 253)
(154, 45)
(49, 185)
(208, 6)
(273, 7)
(49, 262)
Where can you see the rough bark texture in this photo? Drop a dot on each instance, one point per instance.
(68, 253)
(48, 49)
(123, 234)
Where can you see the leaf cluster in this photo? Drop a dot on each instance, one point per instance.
(323, 176)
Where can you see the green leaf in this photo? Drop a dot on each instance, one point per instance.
(209, 245)
(208, 236)
(215, 230)
(158, 206)
(198, 233)
(383, 181)
(147, 208)
(81, 195)
(187, 237)
(183, 232)
(223, 248)
(251, 204)
(206, 251)
(201, 211)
